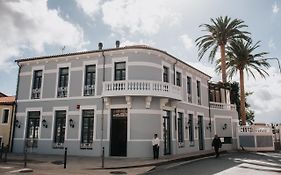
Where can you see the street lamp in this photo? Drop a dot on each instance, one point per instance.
(274, 59)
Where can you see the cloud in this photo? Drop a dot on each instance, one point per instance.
(275, 8)
(187, 41)
(144, 17)
(125, 42)
(90, 7)
(271, 44)
(30, 25)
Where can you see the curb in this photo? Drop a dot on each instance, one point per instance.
(23, 170)
(162, 162)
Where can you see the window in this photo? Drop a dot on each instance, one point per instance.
(178, 78)
(190, 128)
(36, 85)
(165, 74)
(180, 129)
(5, 116)
(199, 92)
(120, 71)
(189, 89)
(87, 128)
(32, 132)
(63, 82)
(90, 80)
(59, 133)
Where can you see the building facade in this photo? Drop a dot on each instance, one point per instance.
(7, 106)
(117, 99)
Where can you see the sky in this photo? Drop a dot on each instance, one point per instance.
(30, 28)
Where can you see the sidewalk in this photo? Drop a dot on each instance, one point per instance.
(52, 164)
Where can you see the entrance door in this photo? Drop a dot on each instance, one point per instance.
(118, 141)
(167, 132)
(200, 133)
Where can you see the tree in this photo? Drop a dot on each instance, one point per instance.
(240, 57)
(220, 32)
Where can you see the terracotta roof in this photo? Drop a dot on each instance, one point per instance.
(106, 50)
(7, 100)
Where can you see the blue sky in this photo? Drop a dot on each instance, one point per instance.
(31, 28)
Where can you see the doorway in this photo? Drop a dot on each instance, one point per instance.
(118, 139)
(200, 133)
(167, 132)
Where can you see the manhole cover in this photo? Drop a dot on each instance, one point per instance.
(118, 172)
(57, 162)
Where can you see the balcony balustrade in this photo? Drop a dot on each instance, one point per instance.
(223, 106)
(142, 88)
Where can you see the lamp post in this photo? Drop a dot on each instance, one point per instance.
(274, 59)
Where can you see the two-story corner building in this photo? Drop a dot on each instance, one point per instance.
(7, 106)
(118, 99)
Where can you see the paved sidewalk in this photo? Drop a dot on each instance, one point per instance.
(53, 164)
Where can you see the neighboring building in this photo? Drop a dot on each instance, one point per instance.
(7, 105)
(117, 99)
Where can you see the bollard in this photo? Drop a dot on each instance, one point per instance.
(25, 154)
(102, 158)
(1, 151)
(65, 156)
(6, 153)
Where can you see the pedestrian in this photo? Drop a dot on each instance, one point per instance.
(155, 144)
(217, 145)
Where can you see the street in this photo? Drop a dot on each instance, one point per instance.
(230, 164)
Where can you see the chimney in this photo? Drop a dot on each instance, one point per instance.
(100, 46)
(117, 43)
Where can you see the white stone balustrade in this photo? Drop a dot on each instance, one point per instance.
(224, 106)
(142, 88)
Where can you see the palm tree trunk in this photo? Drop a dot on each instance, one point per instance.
(223, 64)
(242, 97)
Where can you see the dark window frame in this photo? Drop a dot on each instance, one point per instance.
(178, 79)
(90, 127)
(63, 80)
(198, 86)
(60, 126)
(119, 73)
(190, 128)
(180, 127)
(90, 80)
(36, 84)
(189, 88)
(5, 115)
(165, 74)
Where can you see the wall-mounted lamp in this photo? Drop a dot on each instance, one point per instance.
(224, 126)
(71, 123)
(209, 126)
(44, 123)
(17, 123)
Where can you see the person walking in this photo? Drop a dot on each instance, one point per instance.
(155, 144)
(217, 145)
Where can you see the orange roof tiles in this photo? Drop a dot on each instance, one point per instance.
(7, 100)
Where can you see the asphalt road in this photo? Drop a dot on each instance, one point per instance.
(239, 163)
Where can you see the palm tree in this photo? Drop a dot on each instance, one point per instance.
(220, 32)
(240, 57)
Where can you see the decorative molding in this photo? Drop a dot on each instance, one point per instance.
(129, 101)
(107, 102)
(163, 102)
(148, 102)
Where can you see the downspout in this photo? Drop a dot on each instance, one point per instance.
(210, 121)
(102, 111)
(15, 107)
(11, 126)
(174, 66)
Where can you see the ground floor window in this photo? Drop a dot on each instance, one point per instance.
(87, 128)
(191, 129)
(59, 133)
(180, 129)
(32, 130)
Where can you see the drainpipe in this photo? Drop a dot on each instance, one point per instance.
(11, 126)
(210, 121)
(102, 111)
(15, 108)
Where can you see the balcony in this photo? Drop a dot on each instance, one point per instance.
(222, 106)
(141, 88)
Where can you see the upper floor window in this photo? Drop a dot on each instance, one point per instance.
(90, 80)
(87, 132)
(36, 85)
(63, 82)
(120, 71)
(199, 92)
(59, 132)
(180, 129)
(178, 78)
(165, 74)
(32, 132)
(189, 89)
(5, 116)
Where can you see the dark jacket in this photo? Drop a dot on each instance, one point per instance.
(216, 143)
